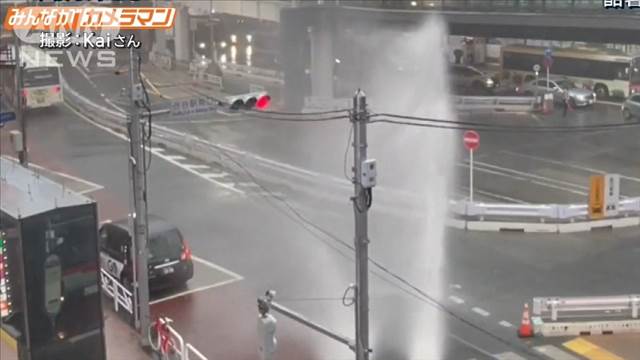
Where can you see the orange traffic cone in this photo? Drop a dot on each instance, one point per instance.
(525, 330)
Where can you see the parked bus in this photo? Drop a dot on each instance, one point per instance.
(41, 78)
(607, 72)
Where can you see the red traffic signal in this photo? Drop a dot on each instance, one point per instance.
(259, 100)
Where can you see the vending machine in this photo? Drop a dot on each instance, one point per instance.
(50, 300)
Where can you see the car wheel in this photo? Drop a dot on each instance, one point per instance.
(626, 114)
(602, 92)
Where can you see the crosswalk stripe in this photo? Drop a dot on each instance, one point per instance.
(508, 356)
(456, 299)
(175, 157)
(554, 353)
(590, 350)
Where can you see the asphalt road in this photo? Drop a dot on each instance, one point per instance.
(483, 280)
(296, 246)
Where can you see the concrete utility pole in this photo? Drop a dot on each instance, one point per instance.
(140, 235)
(361, 203)
(19, 103)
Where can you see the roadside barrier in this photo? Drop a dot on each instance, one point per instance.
(495, 103)
(183, 350)
(597, 315)
(121, 296)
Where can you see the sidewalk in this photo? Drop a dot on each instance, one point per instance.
(121, 340)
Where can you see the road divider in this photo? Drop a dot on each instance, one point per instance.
(495, 103)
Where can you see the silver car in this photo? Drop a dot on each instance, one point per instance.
(631, 107)
(560, 87)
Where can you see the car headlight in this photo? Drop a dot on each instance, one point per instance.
(489, 82)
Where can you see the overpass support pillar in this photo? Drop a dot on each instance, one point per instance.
(182, 38)
(322, 59)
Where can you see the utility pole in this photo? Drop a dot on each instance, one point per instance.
(140, 233)
(361, 203)
(20, 102)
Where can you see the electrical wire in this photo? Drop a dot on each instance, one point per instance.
(417, 292)
(462, 124)
(508, 129)
(310, 113)
(256, 116)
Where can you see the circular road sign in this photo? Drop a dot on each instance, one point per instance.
(536, 68)
(471, 140)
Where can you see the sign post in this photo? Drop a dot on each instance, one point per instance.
(536, 70)
(548, 61)
(596, 197)
(471, 140)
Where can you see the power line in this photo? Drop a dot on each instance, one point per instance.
(462, 124)
(419, 293)
(255, 116)
(507, 129)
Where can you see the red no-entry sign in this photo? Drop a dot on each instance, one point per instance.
(471, 140)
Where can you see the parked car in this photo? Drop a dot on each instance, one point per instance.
(560, 86)
(631, 107)
(169, 261)
(469, 78)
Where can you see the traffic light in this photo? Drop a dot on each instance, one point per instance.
(259, 100)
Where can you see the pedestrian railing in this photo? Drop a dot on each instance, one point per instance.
(541, 213)
(121, 296)
(495, 103)
(553, 308)
(181, 349)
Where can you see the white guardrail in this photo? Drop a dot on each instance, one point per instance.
(184, 351)
(121, 296)
(564, 316)
(556, 218)
(495, 103)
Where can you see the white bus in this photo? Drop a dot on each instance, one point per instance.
(606, 72)
(41, 77)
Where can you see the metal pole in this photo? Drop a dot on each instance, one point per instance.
(470, 175)
(141, 281)
(19, 103)
(547, 78)
(361, 241)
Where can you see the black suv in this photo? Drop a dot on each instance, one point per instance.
(170, 261)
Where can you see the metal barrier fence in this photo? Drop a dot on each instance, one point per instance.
(495, 103)
(112, 287)
(546, 213)
(184, 351)
(555, 307)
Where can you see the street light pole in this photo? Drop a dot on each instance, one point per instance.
(20, 102)
(140, 233)
(361, 204)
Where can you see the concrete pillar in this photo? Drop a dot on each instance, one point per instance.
(182, 36)
(322, 59)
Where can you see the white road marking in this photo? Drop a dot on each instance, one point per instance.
(480, 311)
(215, 175)
(570, 165)
(176, 158)
(562, 188)
(531, 175)
(196, 166)
(509, 355)
(493, 195)
(191, 291)
(554, 352)
(455, 286)
(158, 154)
(456, 299)
(157, 149)
(92, 186)
(505, 324)
(216, 267)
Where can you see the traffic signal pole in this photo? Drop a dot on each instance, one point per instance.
(140, 233)
(361, 203)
